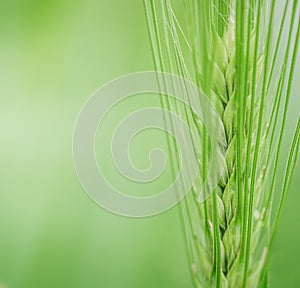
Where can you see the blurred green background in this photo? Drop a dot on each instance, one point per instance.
(53, 55)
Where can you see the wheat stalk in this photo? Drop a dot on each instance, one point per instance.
(231, 50)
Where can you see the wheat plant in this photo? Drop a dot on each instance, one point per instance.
(242, 55)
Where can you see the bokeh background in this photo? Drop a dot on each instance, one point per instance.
(53, 56)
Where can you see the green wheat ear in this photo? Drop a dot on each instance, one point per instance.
(231, 51)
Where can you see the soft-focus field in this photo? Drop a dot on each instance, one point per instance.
(53, 55)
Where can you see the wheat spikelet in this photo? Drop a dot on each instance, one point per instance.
(223, 96)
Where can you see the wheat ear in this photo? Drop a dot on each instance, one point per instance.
(230, 50)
